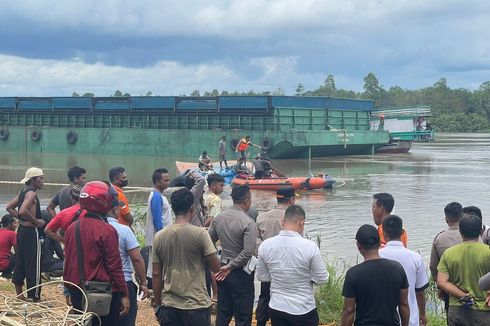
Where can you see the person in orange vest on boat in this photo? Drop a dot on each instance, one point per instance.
(381, 122)
(242, 146)
(382, 206)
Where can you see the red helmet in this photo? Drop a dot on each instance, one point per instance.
(98, 197)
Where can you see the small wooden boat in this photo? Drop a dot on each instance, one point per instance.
(184, 166)
(298, 183)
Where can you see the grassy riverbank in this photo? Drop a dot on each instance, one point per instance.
(330, 301)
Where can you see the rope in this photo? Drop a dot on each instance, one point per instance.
(51, 312)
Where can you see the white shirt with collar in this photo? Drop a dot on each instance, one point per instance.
(414, 267)
(292, 264)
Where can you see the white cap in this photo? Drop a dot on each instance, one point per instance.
(32, 173)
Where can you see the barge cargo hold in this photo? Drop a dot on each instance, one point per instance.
(286, 126)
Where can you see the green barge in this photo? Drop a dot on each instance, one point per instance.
(286, 126)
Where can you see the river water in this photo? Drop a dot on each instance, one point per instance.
(454, 168)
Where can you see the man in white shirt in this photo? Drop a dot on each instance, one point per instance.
(412, 263)
(269, 224)
(158, 215)
(293, 265)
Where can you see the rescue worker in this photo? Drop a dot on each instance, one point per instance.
(242, 146)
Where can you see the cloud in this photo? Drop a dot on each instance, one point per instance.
(246, 44)
(35, 77)
(38, 77)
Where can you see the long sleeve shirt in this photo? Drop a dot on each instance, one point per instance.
(292, 264)
(198, 190)
(158, 215)
(101, 259)
(237, 233)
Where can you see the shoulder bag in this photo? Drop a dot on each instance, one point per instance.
(99, 294)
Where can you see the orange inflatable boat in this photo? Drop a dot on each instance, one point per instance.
(299, 183)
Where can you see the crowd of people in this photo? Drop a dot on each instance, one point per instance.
(204, 257)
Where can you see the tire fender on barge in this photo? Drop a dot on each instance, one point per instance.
(71, 137)
(266, 143)
(36, 134)
(234, 143)
(4, 133)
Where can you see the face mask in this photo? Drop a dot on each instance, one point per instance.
(124, 183)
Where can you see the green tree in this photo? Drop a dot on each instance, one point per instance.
(215, 92)
(118, 93)
(329, 85)
(87, 94)
(441, 84)
(300, 90)
(195, 93)
(485, 87)
(127, 95)
(75, 94)
(149, 93)
(371, 85)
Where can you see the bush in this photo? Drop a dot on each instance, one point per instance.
(459, 122)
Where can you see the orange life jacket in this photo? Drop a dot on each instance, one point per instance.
(242, 146)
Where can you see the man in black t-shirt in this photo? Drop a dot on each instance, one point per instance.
(374, 289)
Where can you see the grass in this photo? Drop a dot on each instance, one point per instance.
(7, 285)
(330, 302)
(328, 296)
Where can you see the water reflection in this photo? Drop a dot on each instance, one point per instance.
(422, 182)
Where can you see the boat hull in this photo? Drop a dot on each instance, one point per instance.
(398, 147)
(187, 144)
(298, 183)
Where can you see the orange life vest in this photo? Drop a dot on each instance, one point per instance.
(242, 146)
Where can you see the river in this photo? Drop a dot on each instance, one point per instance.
(454, 168)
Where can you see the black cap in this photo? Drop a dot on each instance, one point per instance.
(367, 235)
(286, 192)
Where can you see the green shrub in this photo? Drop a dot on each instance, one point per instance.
(329, 298)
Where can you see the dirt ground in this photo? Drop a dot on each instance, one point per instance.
(54, 292)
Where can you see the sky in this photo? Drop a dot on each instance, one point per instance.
(53, 48)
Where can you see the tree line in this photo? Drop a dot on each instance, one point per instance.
(456, 110)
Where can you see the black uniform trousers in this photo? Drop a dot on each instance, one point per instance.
(236, 298)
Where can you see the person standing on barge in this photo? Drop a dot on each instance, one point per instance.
(243, 145)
